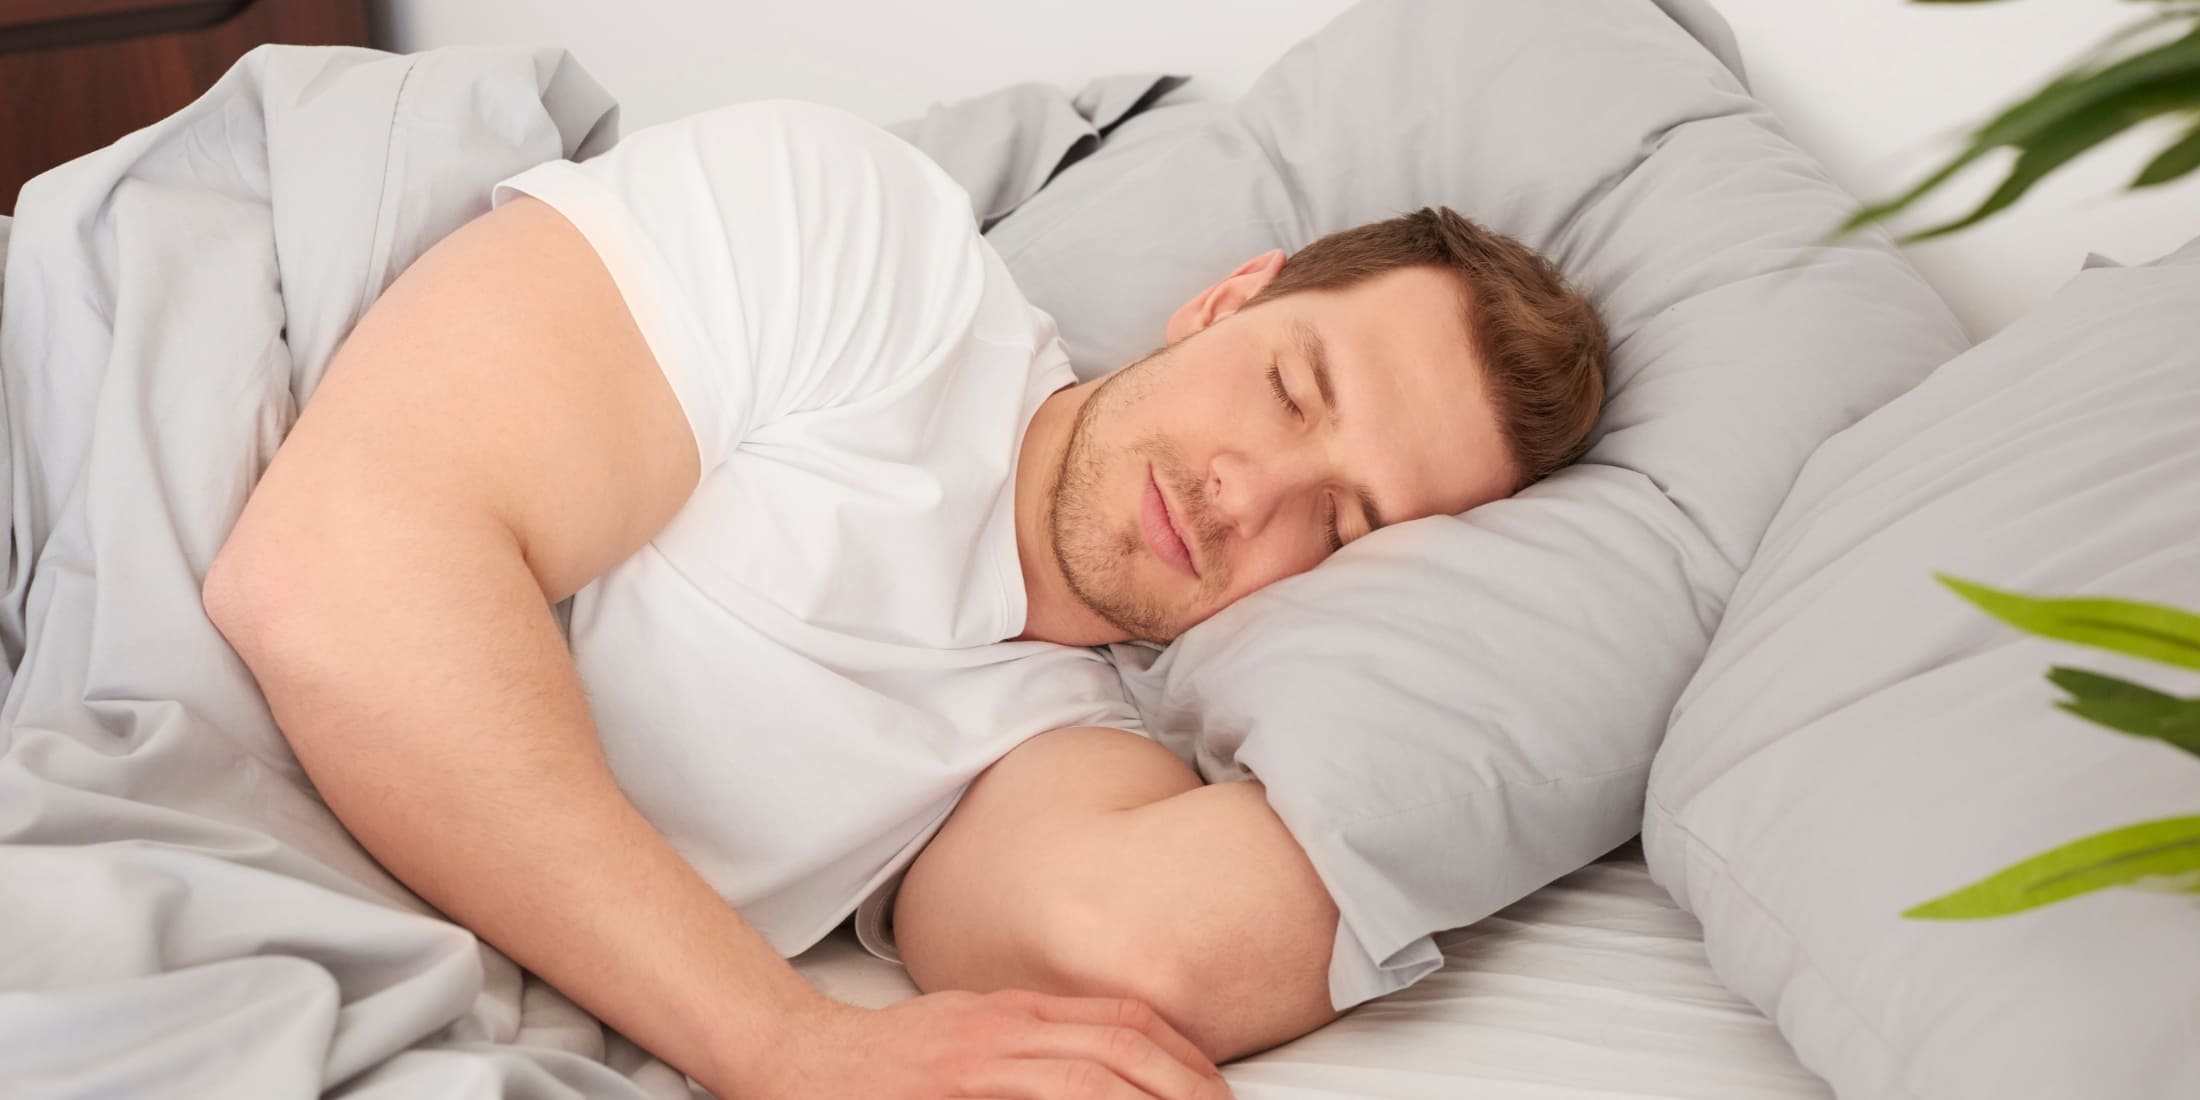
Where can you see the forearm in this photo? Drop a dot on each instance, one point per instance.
(426, 691)
(1092, 862)
(1210, 888)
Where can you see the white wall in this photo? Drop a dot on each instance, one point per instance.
(1879, 89)
(883, 59)
(1874, 87)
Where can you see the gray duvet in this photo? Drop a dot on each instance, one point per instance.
(179, 913)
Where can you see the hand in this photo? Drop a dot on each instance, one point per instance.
(1012, 1045)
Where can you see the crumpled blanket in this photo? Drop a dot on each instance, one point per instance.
(179, 912)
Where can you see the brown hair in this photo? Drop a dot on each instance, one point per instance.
(1541, 343)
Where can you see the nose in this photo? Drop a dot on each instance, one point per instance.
(1248, 494)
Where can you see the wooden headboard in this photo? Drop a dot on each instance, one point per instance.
(77, 74)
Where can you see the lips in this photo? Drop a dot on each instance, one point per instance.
(1163, 537)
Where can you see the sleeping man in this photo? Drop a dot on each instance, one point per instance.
(709, 543)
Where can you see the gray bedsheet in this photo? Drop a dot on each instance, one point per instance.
(179, 913)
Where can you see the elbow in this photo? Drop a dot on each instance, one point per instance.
(223, 594)
(1199, 905)
(239, 595)
(1099, 946)
(1108, 944)
(1051, 930)
(1231, 982)
(249, 593)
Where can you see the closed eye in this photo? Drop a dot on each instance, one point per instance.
(1275, 384)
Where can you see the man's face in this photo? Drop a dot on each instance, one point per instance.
(1189, 480)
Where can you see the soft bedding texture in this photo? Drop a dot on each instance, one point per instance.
(1861, 740)
(1457, 710)
(1004, 146)
(203, 924)
(183, 915)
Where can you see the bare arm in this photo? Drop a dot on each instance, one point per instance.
(494, 435)
(485, 443)
(1091, 862)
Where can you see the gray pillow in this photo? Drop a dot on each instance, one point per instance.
(1002, 147)
(1455, 711)
(1860, 740)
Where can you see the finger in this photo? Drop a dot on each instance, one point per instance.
(1049, 1079)
(1129, 1054)
(1120, 1012)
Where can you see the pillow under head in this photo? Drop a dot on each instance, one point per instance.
(1455, 711)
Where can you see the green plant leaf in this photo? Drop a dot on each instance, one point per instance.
(2152, 631)
(2098, 687)
(2170, 884)
(2176, 721)
(2130, 708)
(2168, 846)
(2073, 112)
(2181, 157)
(2081, 91)
(2056, 144)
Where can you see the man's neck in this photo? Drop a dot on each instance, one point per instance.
(1052, 612)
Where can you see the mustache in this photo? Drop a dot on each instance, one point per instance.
(1196, 514)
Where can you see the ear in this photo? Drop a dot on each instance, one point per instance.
(1224, 298)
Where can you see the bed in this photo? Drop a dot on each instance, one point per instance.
(204, 926)
(143, 780)
(1592, 988)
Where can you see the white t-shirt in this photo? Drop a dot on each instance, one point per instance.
(797, 678)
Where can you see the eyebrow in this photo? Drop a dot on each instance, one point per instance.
(1316, 353)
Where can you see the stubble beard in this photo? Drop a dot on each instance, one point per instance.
(1095, 557)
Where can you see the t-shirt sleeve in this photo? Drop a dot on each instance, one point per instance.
(778, 256)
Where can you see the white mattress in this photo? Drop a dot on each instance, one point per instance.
(1593, 987)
